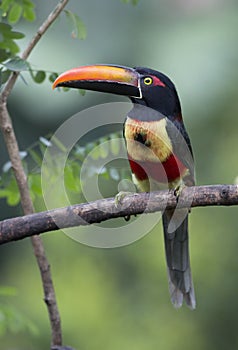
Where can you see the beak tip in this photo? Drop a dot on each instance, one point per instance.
(55, 84)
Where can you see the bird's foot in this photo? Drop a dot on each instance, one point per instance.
(178, 190)
(119, 201)
(120, 197)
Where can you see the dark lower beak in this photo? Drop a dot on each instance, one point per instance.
(105, 78)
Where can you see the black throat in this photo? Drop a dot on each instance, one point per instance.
(144, 113)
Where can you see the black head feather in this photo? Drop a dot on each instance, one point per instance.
(163, 99)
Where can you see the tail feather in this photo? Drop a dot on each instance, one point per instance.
(177, 257)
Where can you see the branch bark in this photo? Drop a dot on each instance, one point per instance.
(105, 209)
(13, 151)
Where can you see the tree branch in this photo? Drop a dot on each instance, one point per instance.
(105, 209)
(13, 151)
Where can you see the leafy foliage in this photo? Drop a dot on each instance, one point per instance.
(77, 26)
(11, 11)
(14, 10)
(16, 64)
(11, 319)
(8, 47)
(32, 160)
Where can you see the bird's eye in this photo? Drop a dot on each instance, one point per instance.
(148, 81)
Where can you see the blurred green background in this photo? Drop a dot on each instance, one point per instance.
(118, 298)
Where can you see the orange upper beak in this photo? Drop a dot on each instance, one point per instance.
(105, 78)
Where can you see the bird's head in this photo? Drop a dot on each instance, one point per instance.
(143, 86)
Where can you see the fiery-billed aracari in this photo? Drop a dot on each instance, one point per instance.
(155, 137)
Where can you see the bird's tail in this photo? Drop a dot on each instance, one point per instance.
(177, 256)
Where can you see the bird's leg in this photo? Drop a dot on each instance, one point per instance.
(119, 201)
(179, 189)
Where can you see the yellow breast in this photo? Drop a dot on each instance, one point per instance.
(147, 141)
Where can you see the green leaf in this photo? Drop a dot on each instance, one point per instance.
(95, 152)
(52, 77)
(13, 199)
(14, 35)
(14, 321)
(14, 13)
(78, 27)
(4, 75)
(58, 144)
(4, 193)
(35, 156)
(6, 31)
(7, 291)
(28, 3)
(80, 31)
(39, 77)
(11, 193)
(104, 174)
(115, 145)
(72, 183)
(6, 4)
(15, 9)
(16, 64)
(4, 55)
(7, 35)
(35, 184)
(29, 14)
(10, 46)
(5, 28)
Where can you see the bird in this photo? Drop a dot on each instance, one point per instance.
(158, 148)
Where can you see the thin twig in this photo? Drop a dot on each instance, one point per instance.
(105, 209)
(13, 151)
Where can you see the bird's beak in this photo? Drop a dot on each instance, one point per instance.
(105, 78)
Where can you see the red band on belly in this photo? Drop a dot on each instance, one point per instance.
(168, 171)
